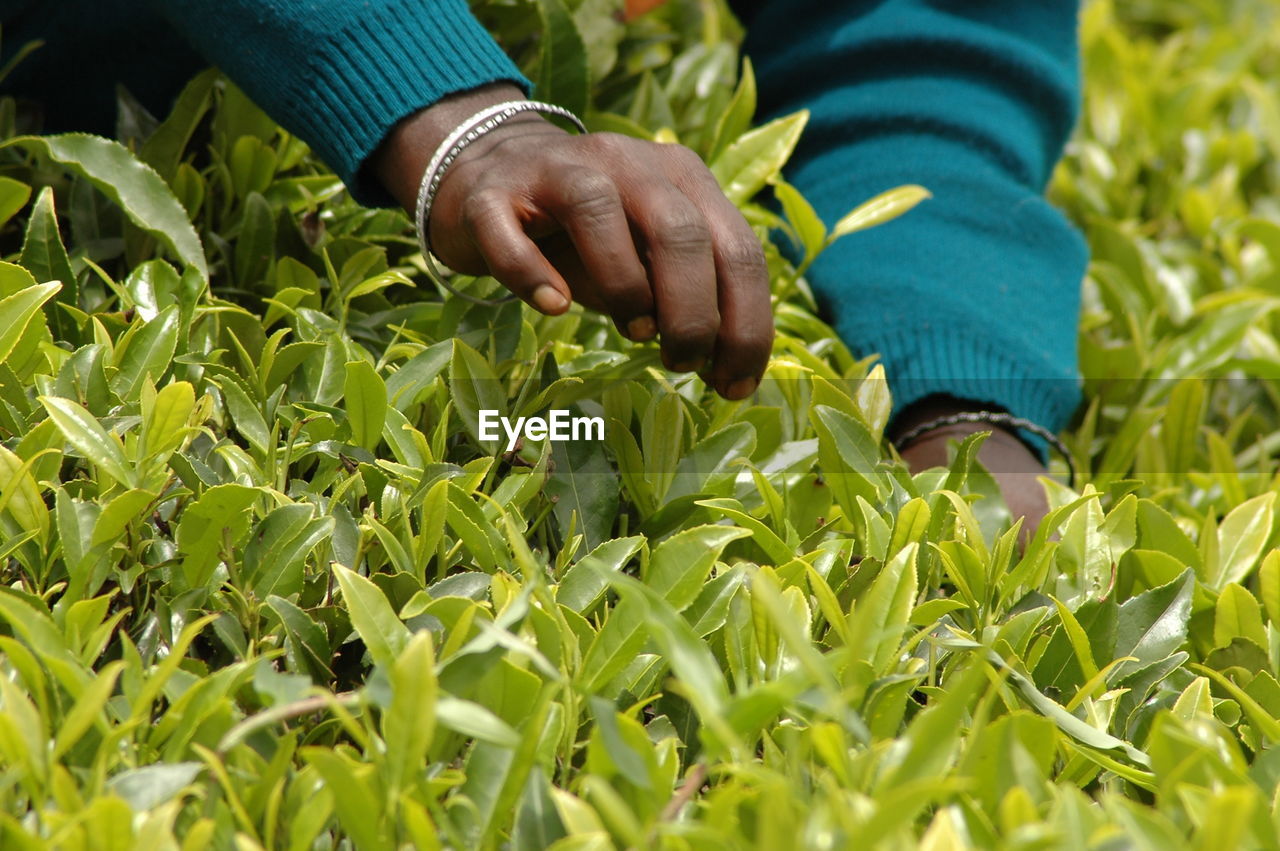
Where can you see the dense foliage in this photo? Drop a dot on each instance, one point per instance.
(265, 586)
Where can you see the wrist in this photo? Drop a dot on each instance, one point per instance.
(401, 159)
(937, 407)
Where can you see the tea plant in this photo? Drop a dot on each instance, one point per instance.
(268, 585)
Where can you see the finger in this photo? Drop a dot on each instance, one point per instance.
(587, 205)
(490, 220)
(563, 255)
(677, 244)
(745, 338)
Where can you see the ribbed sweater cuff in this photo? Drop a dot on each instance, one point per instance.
(394, 60)
(974, 294)
(960, 361)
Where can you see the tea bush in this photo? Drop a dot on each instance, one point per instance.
(268, 585)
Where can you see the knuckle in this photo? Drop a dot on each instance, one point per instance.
(589, 192)
(680, 228)
(684, 156)
(607, 143)
(745, 257)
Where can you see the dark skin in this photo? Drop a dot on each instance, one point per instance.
(634, 229)
(637, 230)
(1014, 466)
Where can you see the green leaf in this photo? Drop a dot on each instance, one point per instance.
(366, 403)
(761, 535)
(663, 439)
(1241, 536)
(713, 463)
(245, 413)
(1153, 624)
(1078, 638)
(384, 635)
(1062, 666)
(849, 455)
(14, 195)
(165, 420)
(874, 401)
(355, 797)
(164, 148)
(153, 286)
(757, 157)
(88, 709)
(255, 246)
(409, 723)
(1181, 423)
(252, 164)
(18, 309)
(478, 535)
(537, 824)
(1237, 615)
(883, 208)
(1269, 584)
(1258, 715)
(117, 514)
(308, 643)
(474, 388)
(145, 354)
(20, 496)
(475, 722)
(689, 656)
(219, 517)
(275, 559)
(1066, 722)
(583, 585)
(139, 191)
(1211, 341)
(584, 484)
(679, 566)
(43, 254)
(737, 115)
(883, 613)
(90, 439)
(927, 746)
(285, 361)
(562, 65)
(150, 786)
(911, 525)
(808, 226)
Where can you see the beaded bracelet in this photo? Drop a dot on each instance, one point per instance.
(996, 419)
(453, 145)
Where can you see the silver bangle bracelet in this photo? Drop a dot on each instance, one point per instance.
(453, 145)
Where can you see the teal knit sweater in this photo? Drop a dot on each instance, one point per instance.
(974, 294)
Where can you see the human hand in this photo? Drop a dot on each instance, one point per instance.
(635, 229)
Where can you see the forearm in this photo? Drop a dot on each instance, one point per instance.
(341, 74)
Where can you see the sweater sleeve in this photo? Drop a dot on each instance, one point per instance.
(976, 292)
(340, 73)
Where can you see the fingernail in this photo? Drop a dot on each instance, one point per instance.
(741, 389)
(548, 299)
(642, 328)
